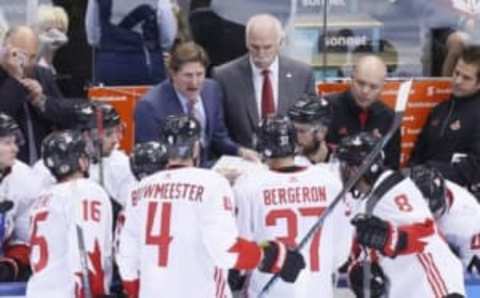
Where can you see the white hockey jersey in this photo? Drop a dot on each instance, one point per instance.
(176, 238)
(461, 223)
(285, 205)
(55, 256)
(116, 176)
(20, 186)
(430, 269)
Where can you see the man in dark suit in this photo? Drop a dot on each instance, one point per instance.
(360, 109)
(29, 93)
(188, 92)
(261, 82)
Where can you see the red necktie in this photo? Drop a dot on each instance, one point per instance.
(362, 117)
(268, 107)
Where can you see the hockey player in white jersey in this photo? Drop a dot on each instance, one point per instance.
(18, 188)
(71, 223)
(102, 129)
(146, 159)
(283, 203)
(311, 116)
(394, 225)
(456, 212)
(181, 236)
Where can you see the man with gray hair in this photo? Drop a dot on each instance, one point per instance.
(262, 82)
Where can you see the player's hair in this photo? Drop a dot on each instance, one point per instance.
(187, 52)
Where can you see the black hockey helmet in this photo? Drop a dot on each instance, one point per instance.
(311, 109)
(84, 113)
(179, 133)
(431, 184)
(352, 151)
(148, 158)
(276, 137)
(61, 152)
(88, 114)
(9, 127)
(108, 114)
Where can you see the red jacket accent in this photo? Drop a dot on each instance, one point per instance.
(19, 252)
(131, 288)
(415, 235)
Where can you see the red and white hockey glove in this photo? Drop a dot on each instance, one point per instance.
(277, 258)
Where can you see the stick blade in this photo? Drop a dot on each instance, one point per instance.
(402, 96)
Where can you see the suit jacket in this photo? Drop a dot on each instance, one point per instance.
(162, 101)
(15, 99)
(241, 112)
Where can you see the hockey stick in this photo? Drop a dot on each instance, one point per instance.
(87, 291)
(400, 106)
(100, 135)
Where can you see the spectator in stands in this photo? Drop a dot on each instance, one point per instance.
(123, 55)
(456, 42)
(3, 25)
(223, 40)
(29, 93)
(262, 82)
(188, 92)
(51, 27)
(450, 139)
(360, 109)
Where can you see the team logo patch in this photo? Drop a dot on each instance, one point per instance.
(456, 125)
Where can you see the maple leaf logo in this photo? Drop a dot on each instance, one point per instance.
(96, 276)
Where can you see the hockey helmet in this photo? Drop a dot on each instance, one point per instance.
(431, 184)
(8, 127)
(311, 109)
(352, 151)
(179, 133)
(62, 151)
(148, 158)
(276, 137)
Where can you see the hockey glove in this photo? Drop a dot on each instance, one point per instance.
(378, 280)
(8, 270)
(278, 259)
(236, 279)
(378, 234)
